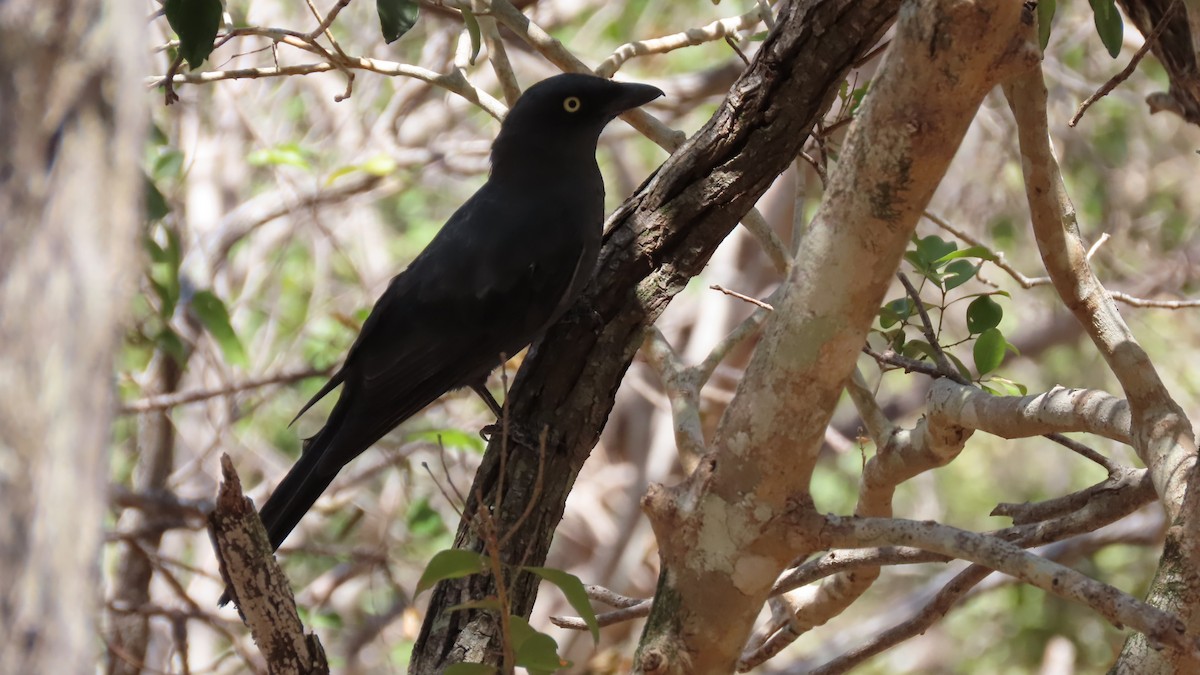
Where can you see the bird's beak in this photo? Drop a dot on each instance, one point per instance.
(631, 96)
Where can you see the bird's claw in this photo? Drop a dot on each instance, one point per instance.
(516, 435)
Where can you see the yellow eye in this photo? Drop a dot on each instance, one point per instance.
(572, 104)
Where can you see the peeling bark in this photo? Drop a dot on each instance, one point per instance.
(727, 531)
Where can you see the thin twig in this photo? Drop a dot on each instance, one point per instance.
(1127, 70)
(1084, 451)
(166, 401)
(939, 356)
(891, 358)
(754, 301)
(723, 28)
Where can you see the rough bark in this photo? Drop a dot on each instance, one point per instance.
(727, 531)
(257, 584)
(71, 129)
(664, 236)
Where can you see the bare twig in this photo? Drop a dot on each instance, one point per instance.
(745, 298)
(723, 28)
(1120, 77)
(166, 401)
(1084, 451)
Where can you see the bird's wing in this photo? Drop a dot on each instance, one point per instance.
(479, 290)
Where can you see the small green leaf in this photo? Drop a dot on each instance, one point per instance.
(196, 23)
(473, 32)
(962, 367)
(169, 343)
(396, 17)
(470, 669)
(933, 248)
(156, 203)
(422, 520)
(856, 98)
(168, 164)
(981, 252)
(379, 165)
(918, 348)
(983, 313)
(958, 273)
(573, 589)
(895, 311)
(1109, 25)
(287, 154)
(989, 350)
(1014, 388)
(1045, 14)
(212, 313)
(535, 651)
(450, 564)
(451, 438)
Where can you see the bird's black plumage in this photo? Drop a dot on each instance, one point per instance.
(502, 269)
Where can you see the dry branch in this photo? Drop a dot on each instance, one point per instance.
(257, 583)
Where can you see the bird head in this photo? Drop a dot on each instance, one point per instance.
(566, 113)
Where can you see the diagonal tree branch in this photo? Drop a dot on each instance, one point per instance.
(670, 229)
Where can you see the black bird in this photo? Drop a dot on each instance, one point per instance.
(505, 266)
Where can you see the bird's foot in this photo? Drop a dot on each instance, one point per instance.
(517, 435)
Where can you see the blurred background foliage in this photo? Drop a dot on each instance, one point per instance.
(277, 216)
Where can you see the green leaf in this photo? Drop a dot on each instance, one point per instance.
(196, 23)
(215, 317)
(962, 367)
(379, 165)
(470, 669)
(450, 564)
(917, 348)
(1014, 388)
(981, 252)
(1045, 13)
(856, 98)
(396, 17)
(933, 248)
(895, 311)
(169, 343)
(287, 154)
(163, 272)
(473, 32)
(536, 652)
(573, 589)
(168, 164)
(422, 520)
(451, 438)
(156, 203)
(959, 272)
(1109, 25)
(989, 350)
(983, 313)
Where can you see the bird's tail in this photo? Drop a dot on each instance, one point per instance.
(299, 489)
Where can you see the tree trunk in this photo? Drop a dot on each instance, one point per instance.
(71, 129)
